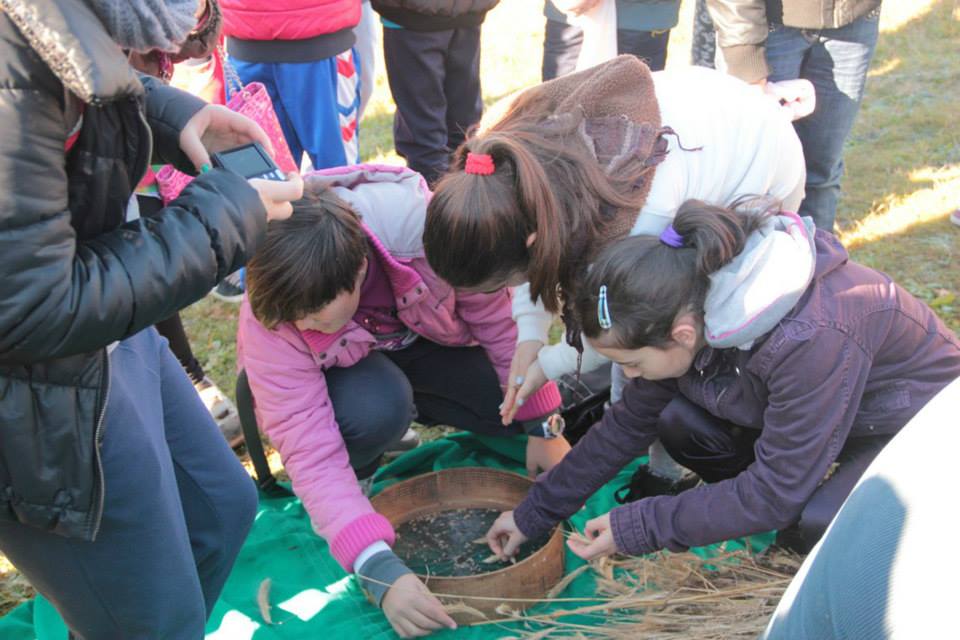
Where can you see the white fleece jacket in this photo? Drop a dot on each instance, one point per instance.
(749, 147)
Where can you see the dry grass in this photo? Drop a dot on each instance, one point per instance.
(668, 597)
(903, 174)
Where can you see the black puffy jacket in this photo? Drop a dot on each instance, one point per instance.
(434, 15)
(74, 276)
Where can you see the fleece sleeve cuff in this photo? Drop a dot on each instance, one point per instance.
(379, 573)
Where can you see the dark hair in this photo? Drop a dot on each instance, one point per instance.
(546, 181)
(306, 260)
(650, 283)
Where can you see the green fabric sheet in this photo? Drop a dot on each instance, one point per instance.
(311, 596)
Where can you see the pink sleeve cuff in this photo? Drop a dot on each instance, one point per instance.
(544, 402)
(358, 535)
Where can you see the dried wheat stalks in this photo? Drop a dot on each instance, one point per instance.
(263, 600)
(453, 608)
(671, 596)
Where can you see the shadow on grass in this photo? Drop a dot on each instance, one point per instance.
(908, 120)
(903, 162)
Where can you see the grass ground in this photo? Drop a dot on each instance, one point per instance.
(902, 161)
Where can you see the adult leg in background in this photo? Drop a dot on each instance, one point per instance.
(263, 72)
(836, 61)
(416, 71)
(561, 48)
(177, 508)
(461, 84)
(649, 46)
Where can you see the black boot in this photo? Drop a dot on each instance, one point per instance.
(645, 484)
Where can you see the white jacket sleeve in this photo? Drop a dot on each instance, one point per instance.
(558, 359)
(533, 321)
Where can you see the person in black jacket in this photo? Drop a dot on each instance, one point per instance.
(119, 499)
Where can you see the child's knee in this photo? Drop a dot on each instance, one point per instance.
(380, 419)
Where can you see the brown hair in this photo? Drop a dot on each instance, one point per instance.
(306, 260)
(650, 283)
(546, 181)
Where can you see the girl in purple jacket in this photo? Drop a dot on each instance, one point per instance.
(761, 356)
(346, 337)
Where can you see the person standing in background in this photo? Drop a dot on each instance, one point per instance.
(431, 49)
(303, 52)
(831, 44)
(643, 30)
(368, 36)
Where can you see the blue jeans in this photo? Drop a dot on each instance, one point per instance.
(178, 506)
(836, 62)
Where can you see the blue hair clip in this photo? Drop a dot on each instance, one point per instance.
(603, 309)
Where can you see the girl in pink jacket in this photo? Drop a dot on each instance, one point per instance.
(346, 337)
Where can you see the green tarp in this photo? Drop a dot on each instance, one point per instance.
(311, 596)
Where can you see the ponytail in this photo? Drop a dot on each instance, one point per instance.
(649, 282)
(545, 181)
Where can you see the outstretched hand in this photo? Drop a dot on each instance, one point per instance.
(412, 610)
(526, 378)
(504, 538)
(598, 542)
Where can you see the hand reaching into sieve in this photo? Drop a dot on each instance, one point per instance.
(412, 610)
(504, 538)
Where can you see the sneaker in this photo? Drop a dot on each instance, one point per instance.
(366, 486)
(645, 484)
(409, 441)
(955, 217)
(231, 288)
(224, 412)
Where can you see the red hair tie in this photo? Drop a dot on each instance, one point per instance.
(479, 164)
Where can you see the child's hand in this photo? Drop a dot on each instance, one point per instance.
(575, 7)
(504, 538)
(599, 540)
(412, 610)
(797, 98)
(526, 377)
(544, 454)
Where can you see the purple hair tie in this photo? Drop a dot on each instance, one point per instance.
(671, 238)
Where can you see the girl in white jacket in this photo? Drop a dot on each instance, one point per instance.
(578, 162)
